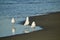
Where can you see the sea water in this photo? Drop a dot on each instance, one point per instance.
(20, 10)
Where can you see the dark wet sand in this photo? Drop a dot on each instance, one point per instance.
(51, 31)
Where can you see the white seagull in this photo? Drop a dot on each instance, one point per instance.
(13, 20)
(27, 21)
(33, 25)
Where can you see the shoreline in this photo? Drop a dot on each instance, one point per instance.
(50, 23)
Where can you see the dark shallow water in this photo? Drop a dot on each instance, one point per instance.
(23, 8)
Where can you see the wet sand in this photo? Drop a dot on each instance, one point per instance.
(51, 31)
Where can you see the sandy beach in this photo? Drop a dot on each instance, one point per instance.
(51, 31)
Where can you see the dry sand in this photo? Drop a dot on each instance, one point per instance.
(51, 31)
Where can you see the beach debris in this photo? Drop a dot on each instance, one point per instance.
(13, 20)
(13, 30)
(33, 25)
(27, 21)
